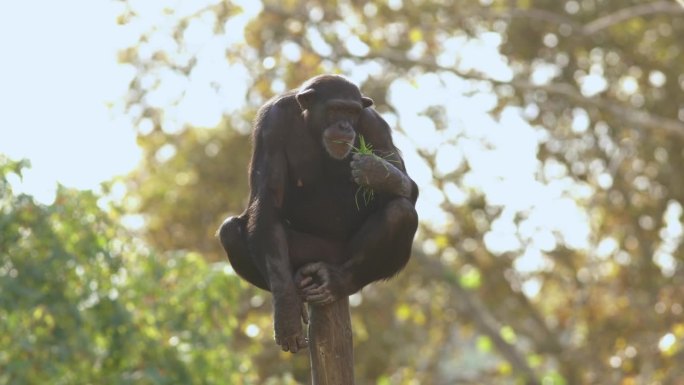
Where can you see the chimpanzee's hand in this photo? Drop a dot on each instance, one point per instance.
(289, 313)
(378, 174)
(320, 283)
(368, 170)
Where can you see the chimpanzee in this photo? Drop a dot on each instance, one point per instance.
(307, 236)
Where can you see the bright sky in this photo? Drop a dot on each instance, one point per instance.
(57, 74)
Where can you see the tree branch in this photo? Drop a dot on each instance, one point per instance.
(630, 115)
(483, 319)
(597, 25)
(542, 15)
(663, 6)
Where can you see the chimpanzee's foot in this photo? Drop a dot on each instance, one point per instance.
(320, 283)
(288, 314)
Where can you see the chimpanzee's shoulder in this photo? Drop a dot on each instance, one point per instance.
(280, 104)
(276, 115)
(372, 119)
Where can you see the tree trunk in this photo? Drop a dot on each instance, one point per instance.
(330, 344)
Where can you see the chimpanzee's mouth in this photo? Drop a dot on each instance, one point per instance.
(338, 149)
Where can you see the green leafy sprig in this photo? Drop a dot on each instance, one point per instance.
(366, 192)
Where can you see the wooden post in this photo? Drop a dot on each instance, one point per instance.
(330, 344)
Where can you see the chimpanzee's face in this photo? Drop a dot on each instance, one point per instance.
(340, 119)
(332, 107)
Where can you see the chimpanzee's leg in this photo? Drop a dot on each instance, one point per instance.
(303, 249)
(382, 247)
(233, 236)
(306, 248)
(379, 250)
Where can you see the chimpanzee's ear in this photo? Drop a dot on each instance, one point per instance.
(305, 98)
(366, 101)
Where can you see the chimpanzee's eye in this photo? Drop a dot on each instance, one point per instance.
(351, 111)
(339, 112)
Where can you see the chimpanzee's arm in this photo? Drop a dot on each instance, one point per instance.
(266, 233)
(385, 171)
(382, 176)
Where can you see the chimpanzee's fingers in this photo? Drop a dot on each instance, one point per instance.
(320, 299)
(356, 174)
(323, 299)
(318, 296)
(306, 281)
(306, 289)
(361, 181)
(313, 290)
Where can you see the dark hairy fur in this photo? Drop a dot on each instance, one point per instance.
(302, 236)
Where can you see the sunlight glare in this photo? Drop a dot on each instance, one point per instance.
(671, 237)
(318, 43)
(234, 27)
(170, 87)
(531, 287)
(482, 56)
(356, 47)
(532, 261)
(199, 30)
(448, 159)
(455, 194)
(502, 237)
(452, 46)
(666, 342)
(59, 84)
(544, 73)
(360, 72)
(502, 159)
(592, 85)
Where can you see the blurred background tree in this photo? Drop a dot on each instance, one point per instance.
(83, 302)
(548, 140)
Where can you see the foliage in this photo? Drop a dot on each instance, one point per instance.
(82, 302)
(183, 180)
